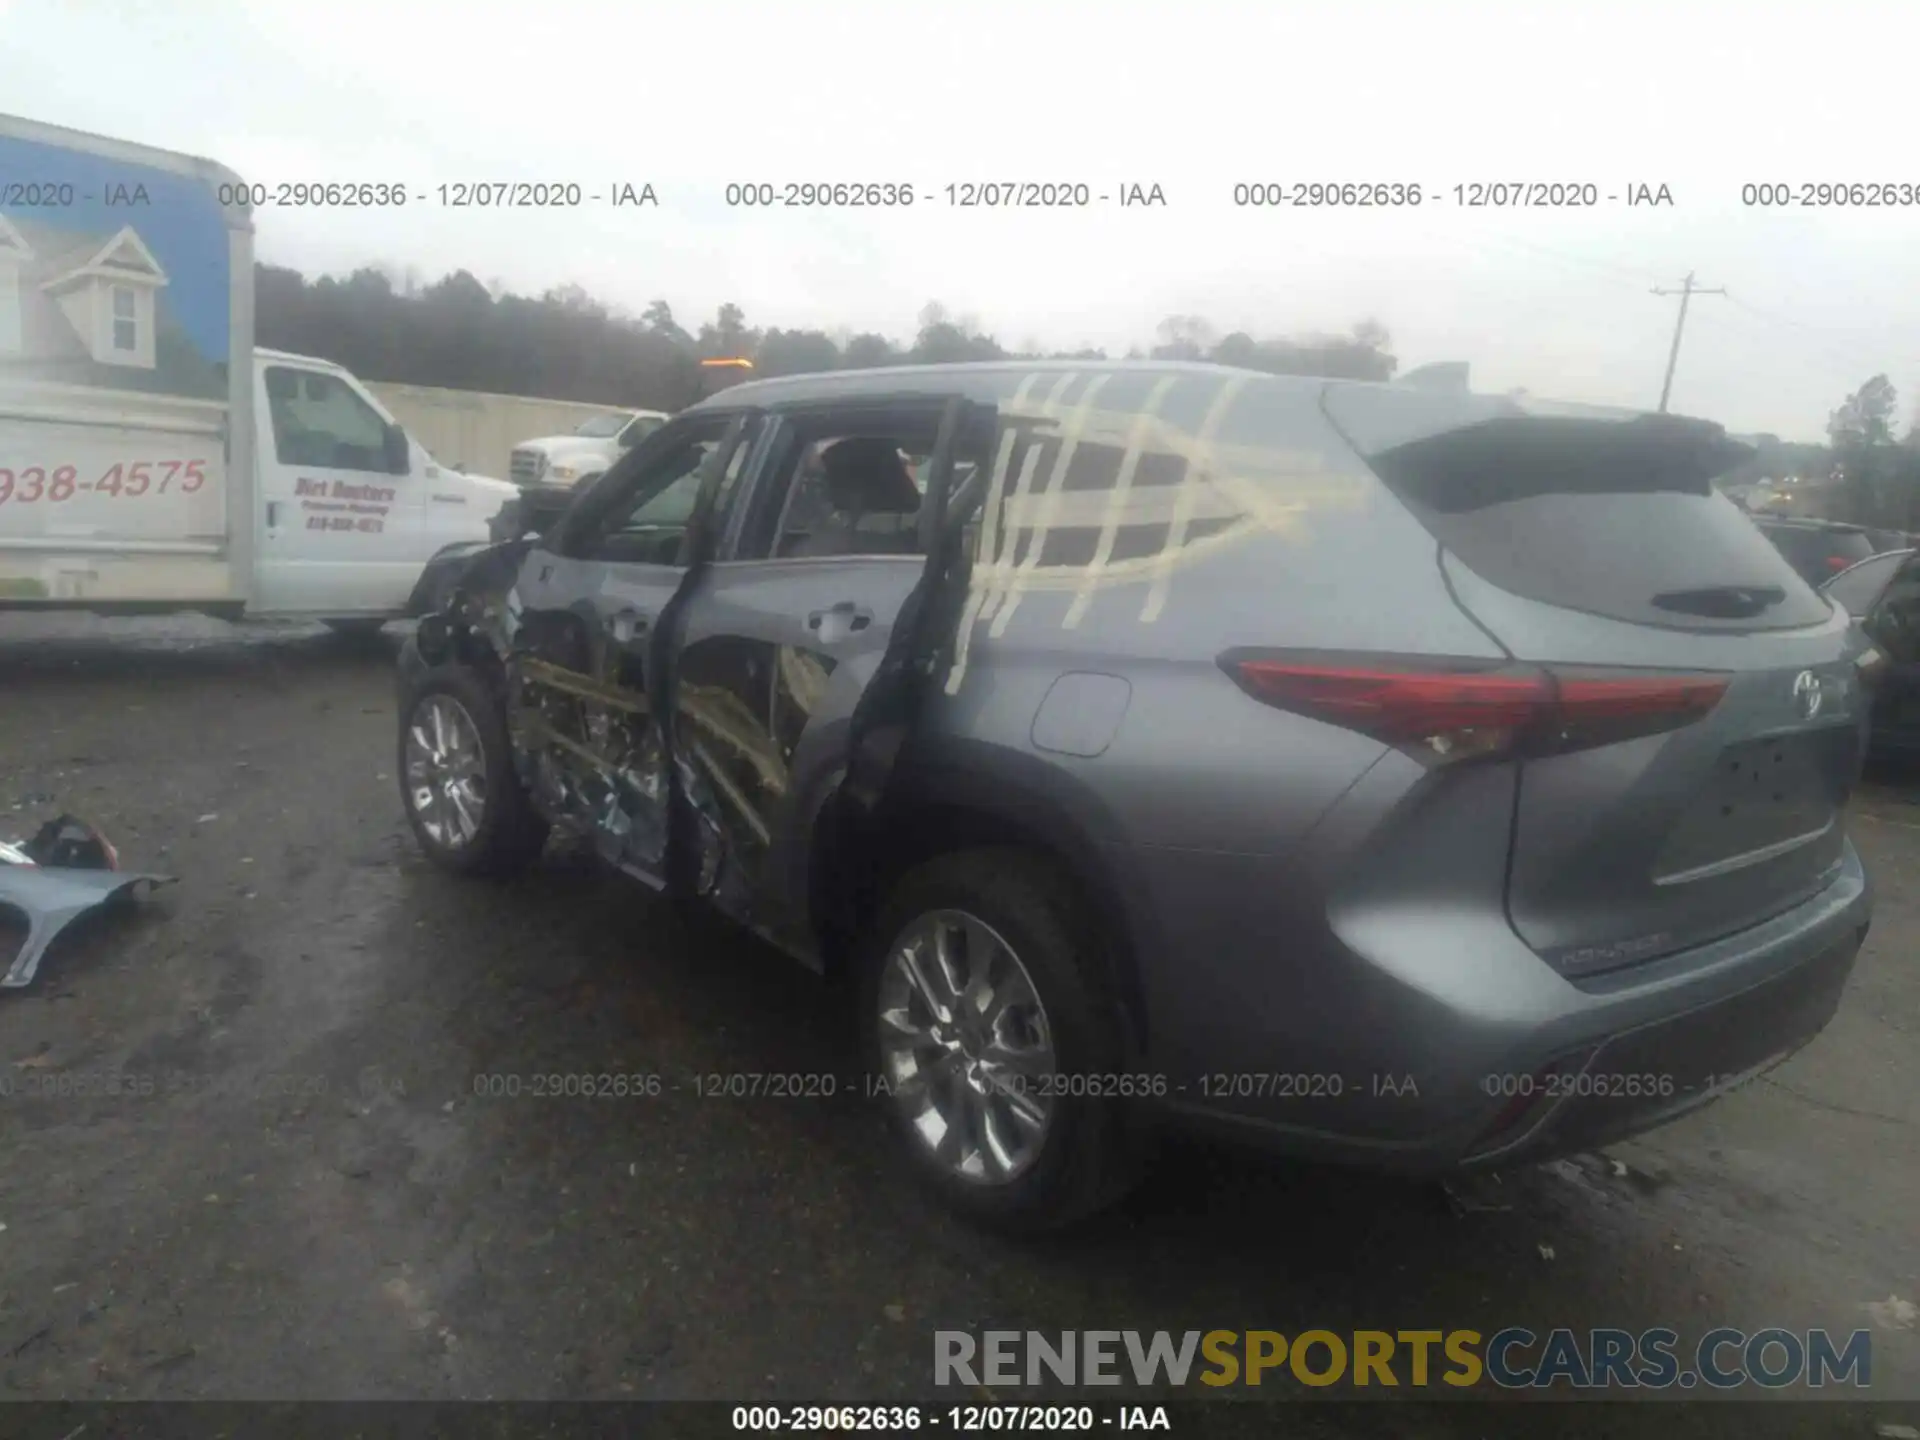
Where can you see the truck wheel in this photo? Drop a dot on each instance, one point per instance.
(978, 1001)
(466, 805)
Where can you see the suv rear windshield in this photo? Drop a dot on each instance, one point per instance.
(1615, 518)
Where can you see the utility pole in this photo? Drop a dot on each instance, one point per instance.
(1686, 292)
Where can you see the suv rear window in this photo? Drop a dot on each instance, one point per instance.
(1609, 517)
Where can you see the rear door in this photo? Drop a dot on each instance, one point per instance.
(792, 648)
(1599, 551)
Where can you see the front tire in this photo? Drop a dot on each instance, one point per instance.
(995, 1031)
(466, 805)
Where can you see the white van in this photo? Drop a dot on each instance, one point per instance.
(151, 458)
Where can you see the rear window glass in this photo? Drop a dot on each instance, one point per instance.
(1615, 519)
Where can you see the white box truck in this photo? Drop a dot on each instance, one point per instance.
(151, 457)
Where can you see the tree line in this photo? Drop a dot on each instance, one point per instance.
(1866, 473)
(462, 334)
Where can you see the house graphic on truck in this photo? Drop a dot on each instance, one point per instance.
(90, 309)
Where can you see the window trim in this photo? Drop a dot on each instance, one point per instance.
(12, 312)
(582, 527)
(794, 423)
(115, 319)
(381, 422)
(654, 424)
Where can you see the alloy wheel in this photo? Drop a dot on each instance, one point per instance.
(446, 771)
(966, 1047)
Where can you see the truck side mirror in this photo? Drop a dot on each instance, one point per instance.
(399, 454)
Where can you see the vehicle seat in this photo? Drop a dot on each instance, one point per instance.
(864, 476)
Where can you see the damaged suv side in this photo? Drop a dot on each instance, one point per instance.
(1148, 741)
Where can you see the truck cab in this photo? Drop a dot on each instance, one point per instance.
(351, 507)
(565, 460)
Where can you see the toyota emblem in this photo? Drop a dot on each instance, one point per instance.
(1807, 694)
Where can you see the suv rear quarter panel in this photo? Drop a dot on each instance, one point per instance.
(1205, 804)
(1264, 531)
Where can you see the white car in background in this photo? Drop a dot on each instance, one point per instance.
(566, 460)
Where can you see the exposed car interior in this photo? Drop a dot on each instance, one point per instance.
(854, 496)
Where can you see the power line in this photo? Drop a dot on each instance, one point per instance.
(1846, 354)
(1640, 275)
(1854, 357)
(1686, 292)
(1636, 274)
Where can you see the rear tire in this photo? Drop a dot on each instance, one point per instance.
(502, 834)
(1088, 1152)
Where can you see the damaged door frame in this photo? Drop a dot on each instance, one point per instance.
(681, 862)
(888, 706)
(886, 716)
(890, 703)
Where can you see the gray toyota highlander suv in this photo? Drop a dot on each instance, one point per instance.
(1392, 776)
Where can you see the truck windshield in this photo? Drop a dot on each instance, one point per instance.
(604, 427)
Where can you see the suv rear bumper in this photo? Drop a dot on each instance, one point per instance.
(1428, 1042)
(1691, 1060)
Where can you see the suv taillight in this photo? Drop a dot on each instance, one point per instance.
(1445, 711)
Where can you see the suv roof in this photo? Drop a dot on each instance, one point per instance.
(1456, 406)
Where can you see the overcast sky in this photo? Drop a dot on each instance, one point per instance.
(1193, 97)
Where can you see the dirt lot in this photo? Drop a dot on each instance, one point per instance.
(314, 1202)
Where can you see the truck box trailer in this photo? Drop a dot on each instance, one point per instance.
(152, 457)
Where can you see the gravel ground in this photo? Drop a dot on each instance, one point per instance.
(314, 1202)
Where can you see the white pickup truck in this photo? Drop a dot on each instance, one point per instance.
(151, 457)
(587, 452)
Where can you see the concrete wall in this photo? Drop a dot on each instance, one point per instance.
(465, 427)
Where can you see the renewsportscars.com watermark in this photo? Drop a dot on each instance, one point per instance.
(1514, 1358)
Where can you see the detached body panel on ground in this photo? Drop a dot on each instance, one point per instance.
(150, 457)
(1395, 776)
